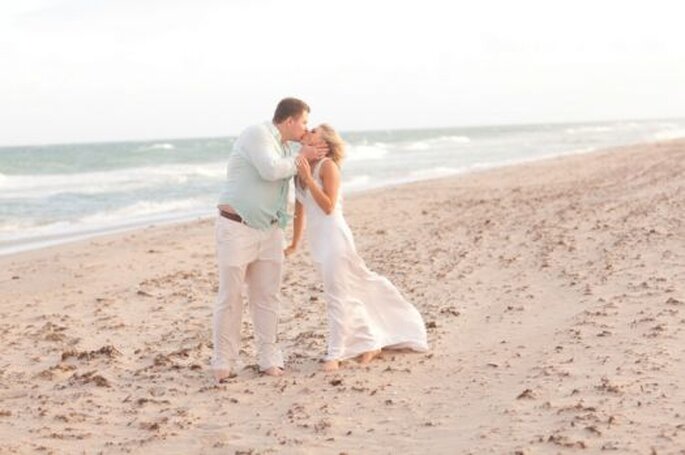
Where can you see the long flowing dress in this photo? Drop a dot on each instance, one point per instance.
(365, 310)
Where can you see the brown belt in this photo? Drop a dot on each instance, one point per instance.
(237, 218)
(232, 216)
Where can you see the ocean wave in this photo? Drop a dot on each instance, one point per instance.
(589, 129)
(15, 231)
(418, 146)
(121, 180)
(365, 152)
(366, 182)
(435, 172)
(622, 127)
(138, 213)
(669, 134)
(66, 231)
(14, 226)
(441, 141)
(144, 209)
(357, 182)
(163, 146)
(453, 139)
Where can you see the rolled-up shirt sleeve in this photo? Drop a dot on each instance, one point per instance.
(263, 152)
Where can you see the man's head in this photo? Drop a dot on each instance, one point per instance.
(291, 118)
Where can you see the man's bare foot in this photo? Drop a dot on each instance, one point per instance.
(369, 356)
(274, 371)
(221, 375)
(331, 365)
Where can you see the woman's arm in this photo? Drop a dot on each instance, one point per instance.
(330, 177)
(298, 225)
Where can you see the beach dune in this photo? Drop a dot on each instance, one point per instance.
(553, 293)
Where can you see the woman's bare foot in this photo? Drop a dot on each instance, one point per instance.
(367, 357)
(331, 365)
(274, 371)
(221, 375)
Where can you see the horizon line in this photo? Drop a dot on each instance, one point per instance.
(342, 132)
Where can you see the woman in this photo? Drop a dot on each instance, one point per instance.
(365, 311)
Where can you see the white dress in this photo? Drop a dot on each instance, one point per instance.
(365, 311)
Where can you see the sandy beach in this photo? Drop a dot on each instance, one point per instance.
(553, 293)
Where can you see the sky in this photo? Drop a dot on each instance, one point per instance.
(96, 70)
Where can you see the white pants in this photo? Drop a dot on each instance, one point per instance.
(253, 257)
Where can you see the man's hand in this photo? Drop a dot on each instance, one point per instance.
(314, 151)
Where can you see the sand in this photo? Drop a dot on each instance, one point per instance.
(553, 293)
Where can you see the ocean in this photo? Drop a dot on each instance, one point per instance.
(52, 194)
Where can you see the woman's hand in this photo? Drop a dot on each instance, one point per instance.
(290, 250)
(304, 171)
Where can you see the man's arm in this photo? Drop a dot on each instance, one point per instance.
(262, 152)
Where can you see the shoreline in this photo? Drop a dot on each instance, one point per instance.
(552, 292)
(48, 241)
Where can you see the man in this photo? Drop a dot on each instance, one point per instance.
(249, 235)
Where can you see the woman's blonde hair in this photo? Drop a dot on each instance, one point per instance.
(334, 141)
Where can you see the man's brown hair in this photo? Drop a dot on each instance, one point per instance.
(289, 107)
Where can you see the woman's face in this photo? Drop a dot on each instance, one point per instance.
(312, 137)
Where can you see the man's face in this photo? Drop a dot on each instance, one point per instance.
(297, 126)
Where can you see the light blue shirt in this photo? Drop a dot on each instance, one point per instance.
(258, 176)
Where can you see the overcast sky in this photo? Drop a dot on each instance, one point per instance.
(96, 70)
